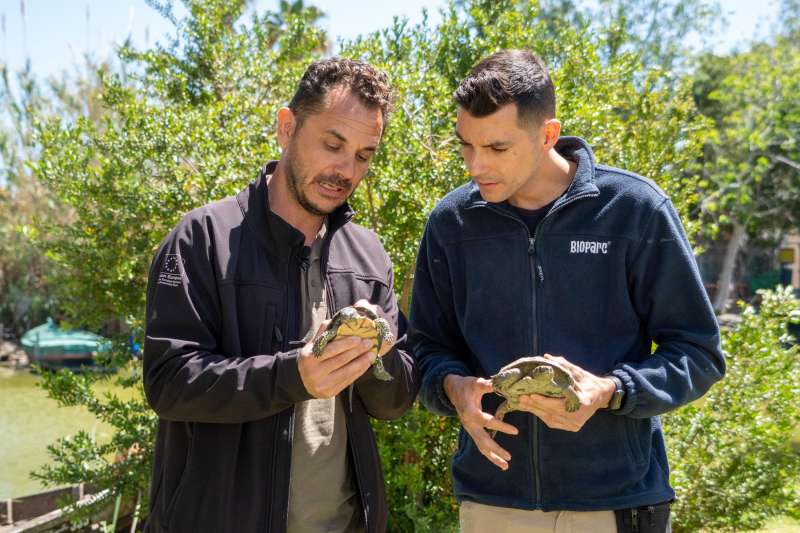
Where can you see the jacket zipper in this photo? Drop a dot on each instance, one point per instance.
(535, 430)
(537, 277)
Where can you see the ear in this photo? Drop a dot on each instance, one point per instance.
(552, 129)
(287, 124)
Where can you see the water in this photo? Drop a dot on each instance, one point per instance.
(29, 421)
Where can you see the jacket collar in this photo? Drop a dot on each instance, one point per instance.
(270, 229)
(582, 183)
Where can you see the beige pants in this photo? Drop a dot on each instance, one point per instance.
(479, 518)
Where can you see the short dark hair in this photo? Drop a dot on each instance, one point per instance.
(510, 76)
(362, 79)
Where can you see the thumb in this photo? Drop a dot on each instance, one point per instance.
(484, 386)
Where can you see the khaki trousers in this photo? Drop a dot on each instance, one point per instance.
(479, 518)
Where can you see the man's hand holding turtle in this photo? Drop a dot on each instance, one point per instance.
(338, 365)
(594, 392)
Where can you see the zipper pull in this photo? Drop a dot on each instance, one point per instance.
(532, 245)
(634, 519)
(541, 273)
(278, 335)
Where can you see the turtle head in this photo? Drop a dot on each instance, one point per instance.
(365, 311)
(503, 380)
(348, 313)
(543, 373)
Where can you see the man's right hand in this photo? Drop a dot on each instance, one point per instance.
(465, 394)
(340, 364)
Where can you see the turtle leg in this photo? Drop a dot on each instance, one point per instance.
(380, 371)
(384, 335)
(572, 403)
(502, 409)
(322, 341)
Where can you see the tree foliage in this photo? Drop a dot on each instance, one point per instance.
(751, 158)
(26, 297)
(750, 162)
(660, 32)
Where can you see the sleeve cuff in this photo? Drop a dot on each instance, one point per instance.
(289, 381)
(441, 404)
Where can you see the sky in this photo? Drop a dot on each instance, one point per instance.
(56, 34)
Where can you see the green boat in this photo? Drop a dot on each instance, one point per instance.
(54, 348)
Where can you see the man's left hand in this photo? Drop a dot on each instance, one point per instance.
(594, 392)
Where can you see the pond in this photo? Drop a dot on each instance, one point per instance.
(29, 421)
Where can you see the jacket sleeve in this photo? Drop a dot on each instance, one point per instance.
(186, 378)
(436, 340)
(389, 400)
(668, 295)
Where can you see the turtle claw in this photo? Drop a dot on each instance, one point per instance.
(380, 371)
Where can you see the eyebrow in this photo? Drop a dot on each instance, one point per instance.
(496, 144)
(342, 138)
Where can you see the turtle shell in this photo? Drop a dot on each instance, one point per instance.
(527, 364)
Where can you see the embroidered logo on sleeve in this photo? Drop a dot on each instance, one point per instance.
(170, 272)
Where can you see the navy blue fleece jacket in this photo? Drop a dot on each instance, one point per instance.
(608, 273)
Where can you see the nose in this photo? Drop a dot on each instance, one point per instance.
(346, 167)
(475, 164)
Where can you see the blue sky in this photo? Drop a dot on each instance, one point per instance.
(57, 33)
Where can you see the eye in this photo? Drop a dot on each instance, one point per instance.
(498, 150)
(363, 158)
(332, 147)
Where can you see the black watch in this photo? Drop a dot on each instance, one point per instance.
(619, 394)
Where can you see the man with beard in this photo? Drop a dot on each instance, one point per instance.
(255, 432)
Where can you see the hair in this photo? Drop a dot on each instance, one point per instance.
(369, 84)
(509, 77)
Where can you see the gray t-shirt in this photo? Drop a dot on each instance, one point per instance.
(322, 495)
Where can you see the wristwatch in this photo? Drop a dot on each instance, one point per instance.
(619, 394)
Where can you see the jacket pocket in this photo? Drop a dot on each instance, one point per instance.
(636, 432)
(349, 287)
(257, 316)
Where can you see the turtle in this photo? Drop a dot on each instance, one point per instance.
(533, 375)
(361, 322)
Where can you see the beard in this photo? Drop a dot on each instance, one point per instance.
(297, 182)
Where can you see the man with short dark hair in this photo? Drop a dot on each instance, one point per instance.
(547, 253)
(256, 433)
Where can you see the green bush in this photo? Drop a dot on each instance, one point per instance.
(734, 463)
(416, 452)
